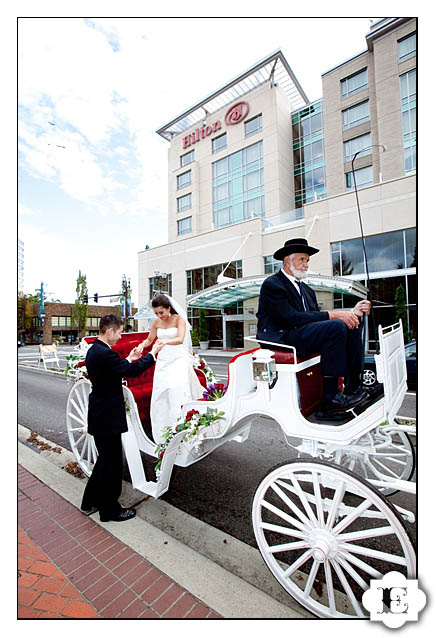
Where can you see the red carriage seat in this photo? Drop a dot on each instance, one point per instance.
(142, 386)
(310, 383)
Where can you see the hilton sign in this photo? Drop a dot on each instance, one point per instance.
(234, 115)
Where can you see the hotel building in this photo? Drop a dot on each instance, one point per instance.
(255, 163)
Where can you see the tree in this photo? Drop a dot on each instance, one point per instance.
(401, 310)
(80, 309)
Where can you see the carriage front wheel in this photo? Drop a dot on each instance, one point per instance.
(82, 443)
(325, 532)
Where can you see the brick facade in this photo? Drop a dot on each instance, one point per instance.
(52, 332)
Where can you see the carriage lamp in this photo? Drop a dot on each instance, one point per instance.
(264, 366)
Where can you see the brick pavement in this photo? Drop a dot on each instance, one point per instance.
(70, 567)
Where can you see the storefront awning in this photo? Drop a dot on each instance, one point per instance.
(227, 293)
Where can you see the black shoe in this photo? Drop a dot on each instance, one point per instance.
(124, 515)
(85, 507)
(375, 390)
(346, 401)
(323, 414)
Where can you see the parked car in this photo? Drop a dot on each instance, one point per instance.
(369, 376)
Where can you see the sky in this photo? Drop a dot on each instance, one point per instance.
(92, 181)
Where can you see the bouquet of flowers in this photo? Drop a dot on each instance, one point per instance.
(214, 391)
(76, 367)
(194, 424)
(202, 365)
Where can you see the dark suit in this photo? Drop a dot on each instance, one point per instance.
(283, 319)
(106, 422)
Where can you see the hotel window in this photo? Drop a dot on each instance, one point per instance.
(354, 83)
(184, 180)
(271, 265)
(184, 203)
(364, 177)
(355, 115)
(361, 143)
(238, 189)
(201, 278)
(254, 125)
(184, 226)
(159, 284)
(218, 143)
(407, 47)
(385, 252)
(408, 114)
(187, 158)
(308, 152)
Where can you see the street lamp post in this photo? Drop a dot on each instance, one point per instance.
(362, 235)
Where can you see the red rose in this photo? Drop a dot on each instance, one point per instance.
(190, 414)
(202, 365)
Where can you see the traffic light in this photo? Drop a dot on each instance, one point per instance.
(85, 299)
(96, 297)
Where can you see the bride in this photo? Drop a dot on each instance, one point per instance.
(174, 381)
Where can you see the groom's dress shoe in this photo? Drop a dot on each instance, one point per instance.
(346, 401)
(124, 515)
(375, 390)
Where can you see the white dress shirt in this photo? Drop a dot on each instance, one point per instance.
(295, 281)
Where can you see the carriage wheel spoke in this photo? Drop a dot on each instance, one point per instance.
(330, 589)
(354, 575)
(73, 416)
(296, 564)
(291, 505)
(346, 585)
(386, 468)
(361, 564)
(352, 516)
(282, 530)
(284, 516)
(284, 547)
(78, 409)
(80, 438)
(366, 533)
(318, 499)
(311, 579)
(339, 494)
(374, 553)
(81, 398)
(303, 499)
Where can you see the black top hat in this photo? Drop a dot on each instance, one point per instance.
(299, 245)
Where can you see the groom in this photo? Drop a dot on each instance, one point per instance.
(107, 416)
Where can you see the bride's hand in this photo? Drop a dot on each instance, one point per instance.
(157, 347)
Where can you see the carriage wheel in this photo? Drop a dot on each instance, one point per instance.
(325, 533)
(82, 443)
(396, 460)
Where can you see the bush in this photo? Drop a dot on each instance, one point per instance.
(204, 332)
(194, 337)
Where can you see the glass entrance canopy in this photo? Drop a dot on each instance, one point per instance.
(227, 293)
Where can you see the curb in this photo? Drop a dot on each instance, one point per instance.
(228, 594)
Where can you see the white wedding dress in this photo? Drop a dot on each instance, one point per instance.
(174, 383)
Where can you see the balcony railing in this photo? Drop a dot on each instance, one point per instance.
(283, 218)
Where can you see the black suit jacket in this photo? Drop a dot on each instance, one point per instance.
(281, 309)
(106, 410)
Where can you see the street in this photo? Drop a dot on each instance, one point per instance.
(218, 490)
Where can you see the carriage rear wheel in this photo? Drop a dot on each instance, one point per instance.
(325, 533)
(374, 454)
(82, 443)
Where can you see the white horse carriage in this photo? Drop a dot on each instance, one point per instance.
(323, 522)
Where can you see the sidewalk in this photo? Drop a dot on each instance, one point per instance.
(70, 567)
